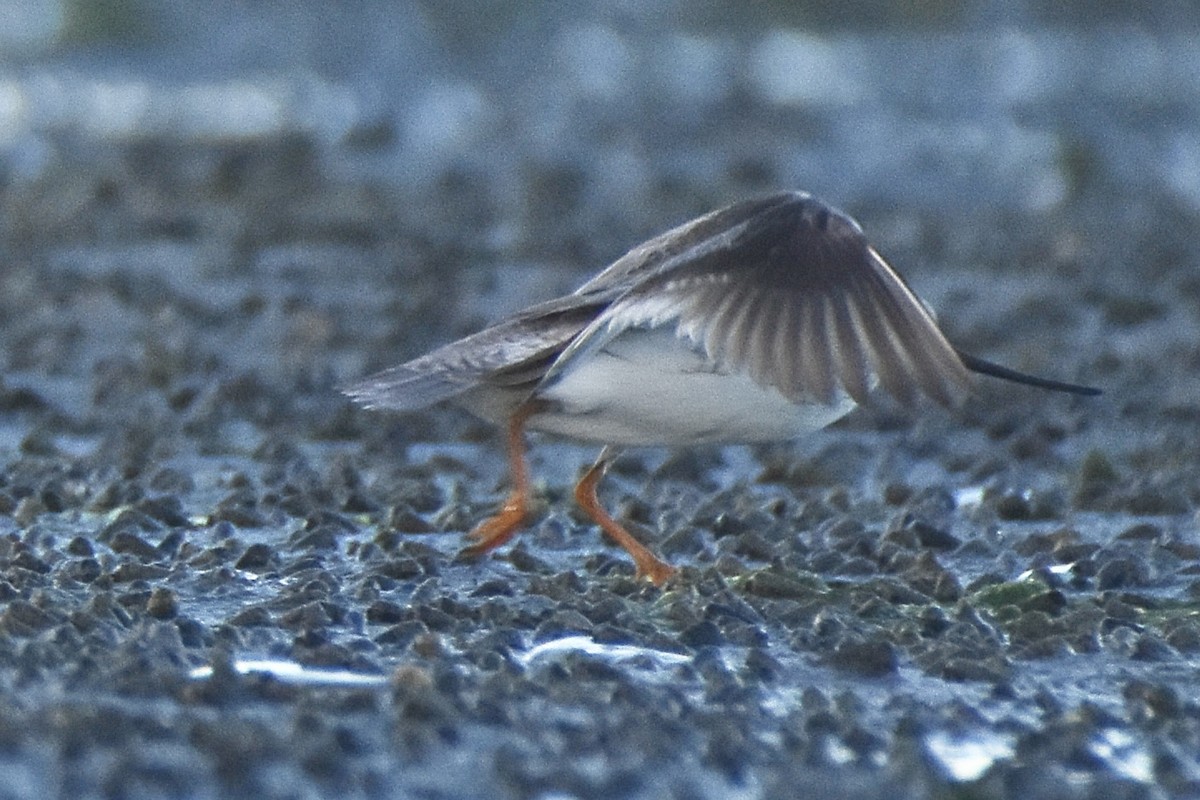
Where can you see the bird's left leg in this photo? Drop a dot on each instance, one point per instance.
(649, 566)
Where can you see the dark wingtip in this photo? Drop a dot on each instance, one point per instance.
(983, 367)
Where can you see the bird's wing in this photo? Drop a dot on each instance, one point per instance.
(698, 233)
(789, 291)
(512, 352)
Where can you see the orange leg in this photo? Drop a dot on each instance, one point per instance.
(649, 566)
(504, 524)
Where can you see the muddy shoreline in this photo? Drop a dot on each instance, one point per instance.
(217, 577)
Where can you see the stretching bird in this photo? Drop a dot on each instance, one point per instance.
(765, 320)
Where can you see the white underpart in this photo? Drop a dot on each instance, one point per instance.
(650, 387)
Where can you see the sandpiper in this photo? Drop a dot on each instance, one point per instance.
(765, 320)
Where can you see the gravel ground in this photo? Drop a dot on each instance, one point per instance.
(217, 578)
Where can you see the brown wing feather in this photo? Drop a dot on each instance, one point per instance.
(814, 355)
(797, 264)
(515, 351)
(850, 346)
(707, 231)
(787, 333)
(888, 357)
(764, 352)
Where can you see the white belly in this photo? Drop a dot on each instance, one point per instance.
(648, 387)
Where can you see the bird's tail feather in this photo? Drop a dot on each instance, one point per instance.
(984, 367)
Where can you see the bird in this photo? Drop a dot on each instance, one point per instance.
(762, 321)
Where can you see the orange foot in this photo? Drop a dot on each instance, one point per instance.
(498, 528)
(649, 566)
(504, 524)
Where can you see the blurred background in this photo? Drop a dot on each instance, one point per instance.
(936, 104)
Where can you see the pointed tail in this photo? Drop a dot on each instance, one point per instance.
(983, 367)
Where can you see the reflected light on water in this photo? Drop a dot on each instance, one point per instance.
(968, 757)
(608, 652)
(290, 672)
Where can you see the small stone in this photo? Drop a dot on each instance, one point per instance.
(252, 617)
(22, 618)
(702, 634)
(126, 542)
(79, 546)
(1121, 573)
(871, 658)
(162, 603)
(257, 558)
(774, 585)
(127, 572)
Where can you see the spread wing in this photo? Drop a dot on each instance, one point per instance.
(789, 291)
(702, 232)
